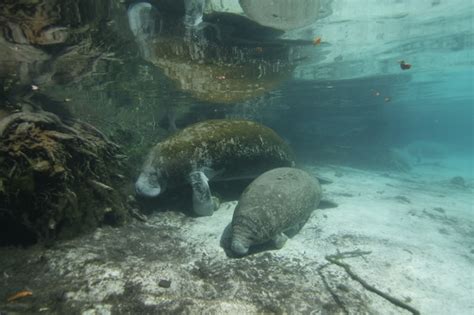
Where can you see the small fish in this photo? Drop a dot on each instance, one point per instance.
(316, 41)
(19, 295)
(67, 99)
(34, 87)
(220, 77)
(387, 99)
(404, 65)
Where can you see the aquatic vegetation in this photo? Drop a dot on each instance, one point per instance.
(58, 178)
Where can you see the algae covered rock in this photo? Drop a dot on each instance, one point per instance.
(212, 150)
(57, 179)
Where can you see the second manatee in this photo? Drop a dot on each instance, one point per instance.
(274, 205)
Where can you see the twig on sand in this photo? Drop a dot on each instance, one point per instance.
(335, 259)
(331, 291)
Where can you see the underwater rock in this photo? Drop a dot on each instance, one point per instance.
(274, 205)
(57, 179)
(212, 150)
(142, 20)
(164, 283)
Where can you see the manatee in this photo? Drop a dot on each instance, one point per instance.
(276, 204)
(221, 149)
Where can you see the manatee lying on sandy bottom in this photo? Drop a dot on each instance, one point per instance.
(212, 150)
(274, 205)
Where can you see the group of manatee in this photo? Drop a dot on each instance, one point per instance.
(277, 202)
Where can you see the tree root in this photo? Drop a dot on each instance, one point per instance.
(20, 117)
(57, 178)
(331, 291)
(335, 259)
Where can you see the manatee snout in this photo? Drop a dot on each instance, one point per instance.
(148, 184)
(239, 248)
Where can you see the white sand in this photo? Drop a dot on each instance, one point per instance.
(418, 227)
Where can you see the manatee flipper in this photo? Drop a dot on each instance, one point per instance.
(203, 204)
(279, 240)
(294, 229)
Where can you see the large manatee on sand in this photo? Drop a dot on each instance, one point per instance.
(212, 150)
(274, 205)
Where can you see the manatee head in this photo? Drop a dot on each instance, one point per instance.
(150, 183)
(243, 237)
(239, 247)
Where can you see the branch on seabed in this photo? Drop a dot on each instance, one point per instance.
(335, 259)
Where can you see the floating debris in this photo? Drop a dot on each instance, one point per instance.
(404, 65)
(316, 41)
(19, 295)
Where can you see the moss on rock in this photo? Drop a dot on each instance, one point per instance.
(57, 179)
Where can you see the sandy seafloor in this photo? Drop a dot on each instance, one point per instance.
(417, 226)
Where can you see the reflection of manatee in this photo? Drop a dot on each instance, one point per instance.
(212, 150)
(274, 205)
(142, 18)
(286, 14)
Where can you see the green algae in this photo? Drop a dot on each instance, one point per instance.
(236, 148)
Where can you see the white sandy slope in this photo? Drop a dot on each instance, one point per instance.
(418, 227)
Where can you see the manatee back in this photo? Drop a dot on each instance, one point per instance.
(276, 201)
(234, 148)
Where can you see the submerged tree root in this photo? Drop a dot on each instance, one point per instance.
(57, 178)
(335, 259)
